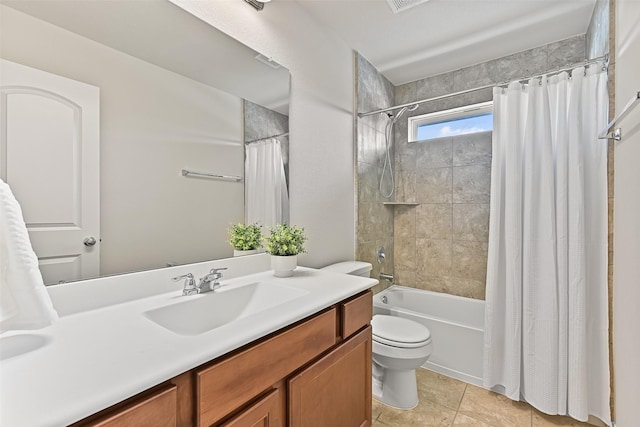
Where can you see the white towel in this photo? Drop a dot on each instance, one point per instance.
(24, 301)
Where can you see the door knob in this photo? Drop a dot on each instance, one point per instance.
(89, 241)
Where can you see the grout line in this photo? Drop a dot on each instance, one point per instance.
(378, 417)
(463, 393)
(531, 413)
(454, 419)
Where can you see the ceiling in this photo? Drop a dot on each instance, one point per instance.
(174, 39)
(434, 37)
(445, 35)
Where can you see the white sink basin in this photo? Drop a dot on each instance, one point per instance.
(17, 345)
(198, 314)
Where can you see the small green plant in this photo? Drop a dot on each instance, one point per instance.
(285, 240)
(245, 237)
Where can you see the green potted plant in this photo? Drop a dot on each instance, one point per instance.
(245, 238)
(284, 243)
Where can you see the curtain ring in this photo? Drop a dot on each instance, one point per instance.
(540, 81)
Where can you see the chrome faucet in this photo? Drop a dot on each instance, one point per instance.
(206, 285)
(388, 277)
(190, 287)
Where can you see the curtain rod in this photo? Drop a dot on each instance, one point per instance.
(268, 137)
(604, 58)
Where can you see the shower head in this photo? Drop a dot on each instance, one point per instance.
(395, 117)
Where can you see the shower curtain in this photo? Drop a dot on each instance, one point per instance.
(546, 332)
(266, 195)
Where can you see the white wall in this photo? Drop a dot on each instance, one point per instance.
(153, 123)
(626, 262)
(321, 115)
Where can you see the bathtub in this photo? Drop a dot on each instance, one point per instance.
(456, 325)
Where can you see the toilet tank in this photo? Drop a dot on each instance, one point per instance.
(355, 268)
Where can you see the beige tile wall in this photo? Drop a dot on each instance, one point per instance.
(375, 220)
(441, 244)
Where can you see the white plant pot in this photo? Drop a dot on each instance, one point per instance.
(242, 253)
(283, 266)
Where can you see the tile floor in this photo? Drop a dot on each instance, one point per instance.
(448, 402)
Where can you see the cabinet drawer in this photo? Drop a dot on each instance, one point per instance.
(155, 410)
(356, 313)
(227, 385)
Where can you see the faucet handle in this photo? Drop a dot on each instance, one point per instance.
(189, 283)
(217, 270)
(187, 276)
(214, 275)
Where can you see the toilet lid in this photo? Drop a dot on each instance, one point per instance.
(399, 332)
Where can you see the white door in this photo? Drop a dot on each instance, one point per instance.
(49, 156)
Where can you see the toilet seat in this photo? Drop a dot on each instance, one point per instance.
(398, 332)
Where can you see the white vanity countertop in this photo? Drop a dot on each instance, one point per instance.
(93, 359)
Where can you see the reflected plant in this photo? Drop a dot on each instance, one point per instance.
(245, 237)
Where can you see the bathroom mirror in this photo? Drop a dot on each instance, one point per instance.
(172, 96)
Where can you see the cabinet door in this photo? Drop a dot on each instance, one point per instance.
(336, 390)
(261, 414)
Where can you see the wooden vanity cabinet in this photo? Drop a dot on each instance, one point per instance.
(226, 385)
(316, 372)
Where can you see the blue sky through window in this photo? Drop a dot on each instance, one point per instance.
(461, 126)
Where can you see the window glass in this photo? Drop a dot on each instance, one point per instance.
(461, 126)
(457, 121)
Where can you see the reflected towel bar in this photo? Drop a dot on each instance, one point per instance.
(268, 137)
(211, 175)
(617, 132)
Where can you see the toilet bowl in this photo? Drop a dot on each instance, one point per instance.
(399, 347)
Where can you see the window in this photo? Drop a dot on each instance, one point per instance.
(456, 121)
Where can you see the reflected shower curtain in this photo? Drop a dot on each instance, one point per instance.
(266, 195)
(546, 331)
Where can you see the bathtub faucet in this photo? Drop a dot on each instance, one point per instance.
(384, 276)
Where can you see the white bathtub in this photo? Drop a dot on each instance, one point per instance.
(456, 325)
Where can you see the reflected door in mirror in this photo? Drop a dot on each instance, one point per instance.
(50, 159)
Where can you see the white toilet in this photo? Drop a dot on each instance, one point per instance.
(400, 346)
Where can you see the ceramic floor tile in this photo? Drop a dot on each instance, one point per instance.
(462, 420)
(376, 409)
(440, 389)
(543, 420)
(493, 408)
(425, 414)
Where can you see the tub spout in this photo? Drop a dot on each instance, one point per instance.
(384, 276)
